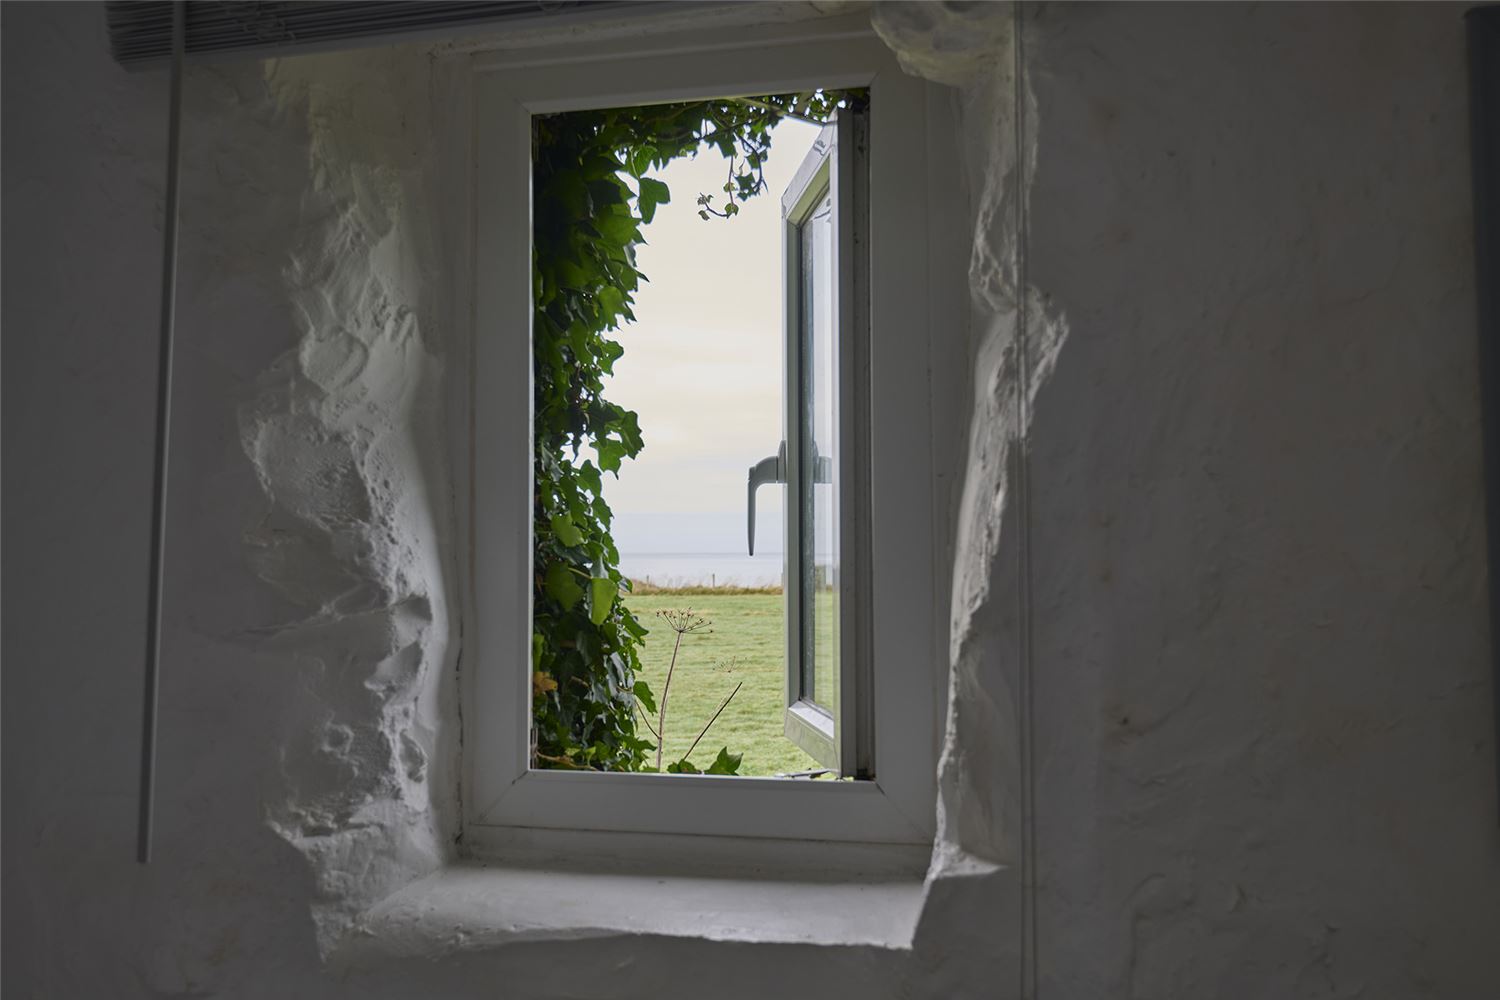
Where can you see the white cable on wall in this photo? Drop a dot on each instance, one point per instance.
(1024, 589)
(145, 815)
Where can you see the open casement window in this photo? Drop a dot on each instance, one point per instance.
(870, 311)
(820, 459)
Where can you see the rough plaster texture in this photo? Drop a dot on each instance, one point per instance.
(345, 433)
(1264, 742)
(1258, 647)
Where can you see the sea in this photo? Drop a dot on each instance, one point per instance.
(698, 548)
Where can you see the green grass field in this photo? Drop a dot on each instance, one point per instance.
(747, 628)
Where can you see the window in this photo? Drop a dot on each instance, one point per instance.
(866, 646)
(821, 463)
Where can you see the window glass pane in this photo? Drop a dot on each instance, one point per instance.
(819, 460)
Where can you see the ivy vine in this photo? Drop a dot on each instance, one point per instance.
(592, 193)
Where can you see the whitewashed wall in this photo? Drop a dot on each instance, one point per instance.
(1260, 657)
(1264, 691)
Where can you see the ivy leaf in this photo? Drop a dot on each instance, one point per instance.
(683, 766)
(619, 229)
(561, 586)
(609, 353)
(610, 454)
(588, 475)
(572, 194)
(566, 531)
(608, 193)
(602, 591)
(578, 340)
(611, 301)
(570, 275)
(588, 644)
(653, 193)
(640, 160)
(605, 515)
(541, 684)
(725, 763)
(599, 167)
(617, 668)
(628, 426)
(643, 692)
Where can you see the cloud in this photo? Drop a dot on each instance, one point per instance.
(702, 363)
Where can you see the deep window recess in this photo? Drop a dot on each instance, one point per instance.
(865, 640)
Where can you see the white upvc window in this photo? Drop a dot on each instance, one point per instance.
(864, 519)
(823, 456)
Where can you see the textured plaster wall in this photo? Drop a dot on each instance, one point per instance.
(1259, 652)
(1263, 692)
(305, 768)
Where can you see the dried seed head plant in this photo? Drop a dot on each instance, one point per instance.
(684, 621)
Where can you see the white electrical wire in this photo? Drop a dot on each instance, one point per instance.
(163, 439)
(1029, 946)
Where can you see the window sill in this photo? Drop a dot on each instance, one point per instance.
(474, 907)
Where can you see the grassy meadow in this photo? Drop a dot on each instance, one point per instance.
(746, 644)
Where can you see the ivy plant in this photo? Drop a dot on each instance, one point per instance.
(592, 194)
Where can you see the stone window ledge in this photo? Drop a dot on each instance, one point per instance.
(479, 907)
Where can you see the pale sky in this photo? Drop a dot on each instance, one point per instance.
(702, 364)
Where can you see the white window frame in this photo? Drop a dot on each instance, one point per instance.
(838, 735)
(910, 121)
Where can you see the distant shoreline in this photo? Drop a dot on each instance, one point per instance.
(714, 570)
(644, 587)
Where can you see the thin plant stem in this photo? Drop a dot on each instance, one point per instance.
(722, 705)
(666, 689)
(647, 720)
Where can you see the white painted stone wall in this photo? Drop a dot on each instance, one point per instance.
(1261, 703)
(1263, 695)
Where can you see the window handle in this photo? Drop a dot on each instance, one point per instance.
(822, 467)
(767, 470)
